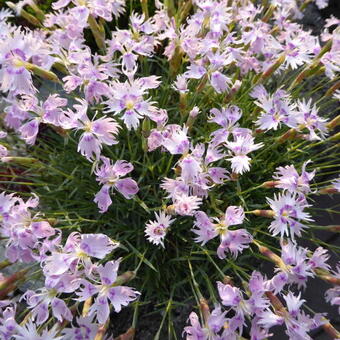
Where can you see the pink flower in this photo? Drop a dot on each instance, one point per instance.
(85, 329)
(289, 179)
(308, 118)
(107, 292)
(128, 98)
(242, 145)
(110, 175)
(233, 241)
(41, 301)
(186, 205)
(96, 132)
(276, 109)
(155, 231)
(288, 209)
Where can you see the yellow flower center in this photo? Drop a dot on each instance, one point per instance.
(88, 126)
(129, 104)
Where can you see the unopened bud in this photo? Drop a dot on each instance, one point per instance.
(125, 277)
(97, 32)
(38, 71)
(334, 137)
(290, 134)
(20, 160)
(86, 307)
(182, 103)
(170, 210)
(264, 213)
(192, 117)
(270, 184)
(333, 88)
(328, 190)
(234, 176)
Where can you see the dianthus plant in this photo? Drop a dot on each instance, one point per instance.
(167, 157)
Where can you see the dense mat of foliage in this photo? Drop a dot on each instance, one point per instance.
(157, 154)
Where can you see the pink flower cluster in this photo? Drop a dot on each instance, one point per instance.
(68, 269)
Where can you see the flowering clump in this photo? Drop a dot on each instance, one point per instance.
(158, 153)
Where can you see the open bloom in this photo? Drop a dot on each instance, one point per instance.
(96, 132)
(288, 210)
(296, 266)
(308, 118)
(85, 329)
(106, 291)
(289, 179)
(40, 301)
(240, 148)
(233, 241)
(64, 262)
(128, 98)
(297, 323)
(17, 49)
(155, 231)
(276, 109)
(227, 118)
(109, 175)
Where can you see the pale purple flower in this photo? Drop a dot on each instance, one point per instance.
(220, 82)
(195, 331)
(109, 175)
(333, 294)
(22, 230)
(29, 331)
(297, 323)
(175, 139)
(321, 3)
(29, 131)
(103, 9)
(8, 325)
(40, 301)
(319, 259)
(289, 211)
(276, 109)
(232, 297)
(190, 169)
(289, 179)
(180, 84)
(205, 229)
(128, 98)
(86, 329)
(217, 319)
(107, 292)
(77, 253)
(155, 231)
(18, 48)
(307, 117)
(233, 241)
(227, 118)
(96, 132)
(242, 145)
